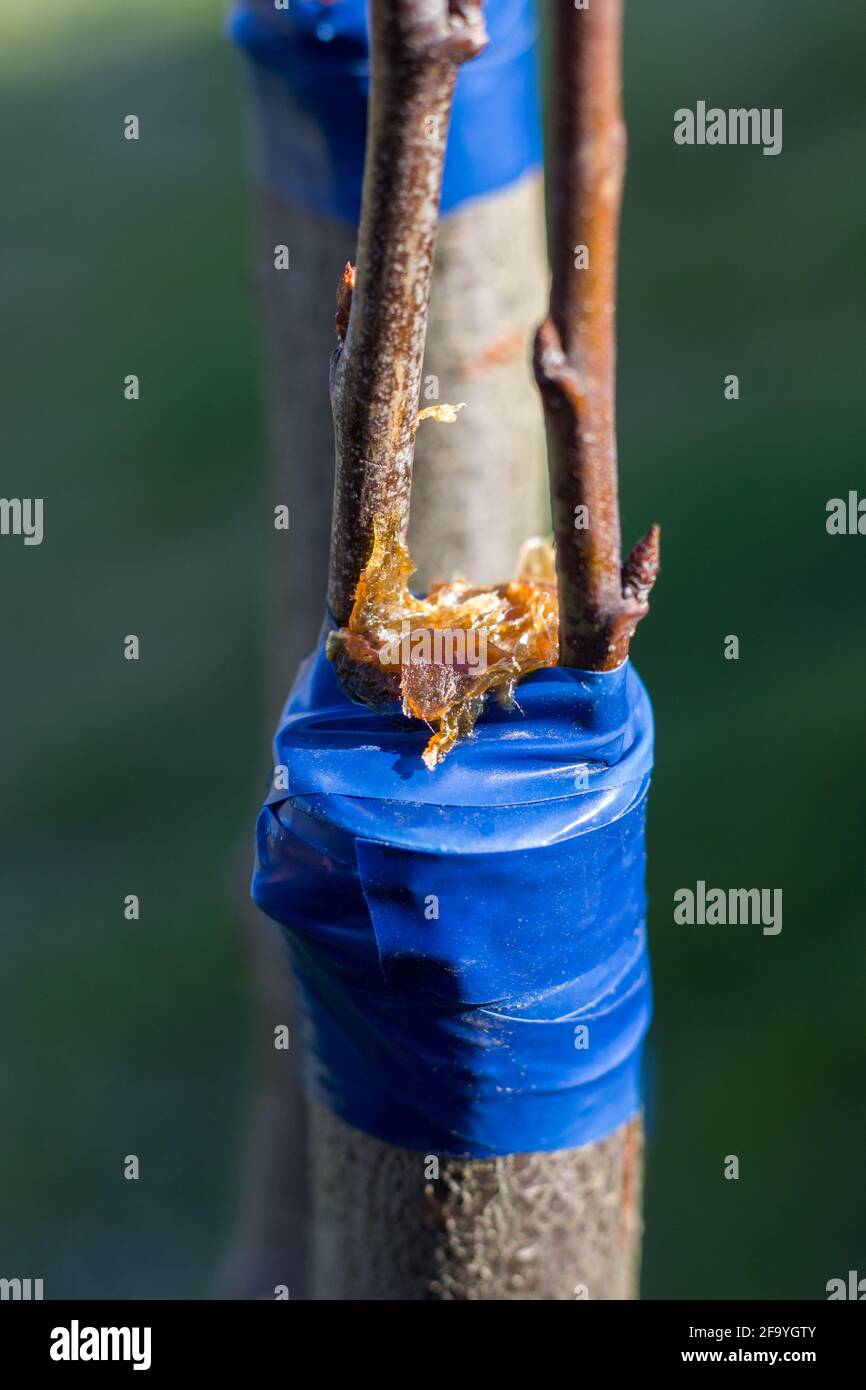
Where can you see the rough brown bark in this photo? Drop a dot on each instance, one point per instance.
(528, 1227)
(600, 601)
(416, 49)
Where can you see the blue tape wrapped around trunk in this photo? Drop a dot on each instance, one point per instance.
(469, 943)
(311, 70)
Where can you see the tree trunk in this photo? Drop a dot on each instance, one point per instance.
(563, 1225)
(480, 489)
(538, 1226)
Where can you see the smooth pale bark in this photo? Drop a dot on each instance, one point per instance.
(331, 1212)
(480, 485)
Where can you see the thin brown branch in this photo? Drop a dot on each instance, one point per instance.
(417, 47)
(575, 350)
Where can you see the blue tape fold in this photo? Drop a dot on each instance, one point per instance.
(311, 73)
(469, 943)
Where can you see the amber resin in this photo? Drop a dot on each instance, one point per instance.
(441, 656)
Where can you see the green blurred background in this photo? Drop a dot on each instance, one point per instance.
(122, 777)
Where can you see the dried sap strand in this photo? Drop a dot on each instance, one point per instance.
(440, 656)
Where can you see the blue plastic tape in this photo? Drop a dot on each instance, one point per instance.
(470, 943)
(312, 72)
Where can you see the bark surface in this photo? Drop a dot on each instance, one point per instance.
(539, 1227)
